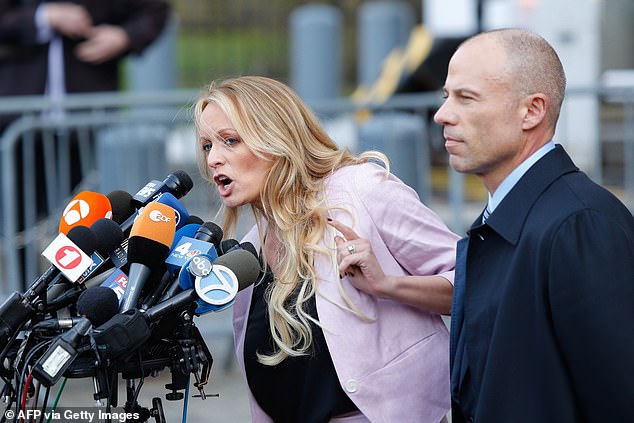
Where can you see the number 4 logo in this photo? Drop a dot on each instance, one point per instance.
(183, 248)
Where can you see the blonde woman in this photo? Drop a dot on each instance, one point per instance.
(344, 324)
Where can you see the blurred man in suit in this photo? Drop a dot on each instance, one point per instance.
(72, 47)
(55, 48)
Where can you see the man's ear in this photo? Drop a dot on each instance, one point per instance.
(536, 107)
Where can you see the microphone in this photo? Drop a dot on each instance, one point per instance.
(215, 283)
(206, 237)
(226, 245)
(210, 232)
(62, 352)
(178, 183)
(125, 332)
(122, 207)
(148, 246)
(109, 239)
(69, 255)
(194, 219)
(180, 248)
(70, 251)
(196, 239)
(192, 240)
(247, 246)
(173, 262)
(84, 209)
(97, 304)
(182, 215)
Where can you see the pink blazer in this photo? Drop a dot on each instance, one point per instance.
(395, 368)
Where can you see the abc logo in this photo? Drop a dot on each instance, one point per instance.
(75, 211)
(157, 216)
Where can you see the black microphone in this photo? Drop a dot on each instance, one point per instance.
(97, 304)
(148, 246)
(243, 246)
(226, 245)
(247, 246)
(209, 232)
(109, 239)
(121, 204)
(177, 183)
(194, 219)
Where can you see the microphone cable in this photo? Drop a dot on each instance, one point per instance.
(23, 381)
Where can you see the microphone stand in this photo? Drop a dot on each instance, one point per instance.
(194, 355)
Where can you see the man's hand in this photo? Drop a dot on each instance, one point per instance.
(68, 19)
(103, 42)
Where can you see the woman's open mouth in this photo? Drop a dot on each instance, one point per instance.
(224, 184)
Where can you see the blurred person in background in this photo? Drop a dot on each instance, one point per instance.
(72, 47)
(66, 47)
(55, 48)
(542, 324)
(314, 345)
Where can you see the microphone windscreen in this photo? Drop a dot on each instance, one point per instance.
(249, 247)
(98, 304)
(179, 183)
(210, 232)
(109, 235)
(243, 264)
(226, 245)
(84, 209)
(152, 235)
(156, 222)
(83, 238)
(122, 206)
(194, 219)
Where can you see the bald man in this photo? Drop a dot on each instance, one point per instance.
(542, 323)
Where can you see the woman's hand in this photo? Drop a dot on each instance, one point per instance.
(357, 261)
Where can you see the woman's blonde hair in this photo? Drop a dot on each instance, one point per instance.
(276, 125)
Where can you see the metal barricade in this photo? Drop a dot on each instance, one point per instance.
(36, 185)
(24, 230)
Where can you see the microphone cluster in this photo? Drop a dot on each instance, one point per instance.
(128, 274)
